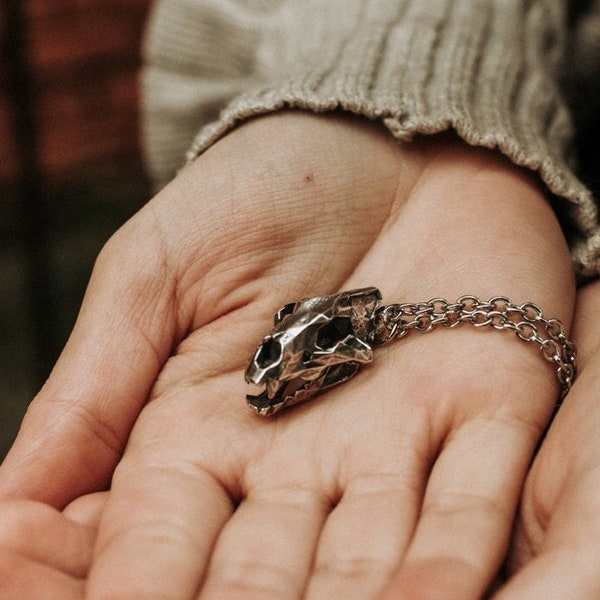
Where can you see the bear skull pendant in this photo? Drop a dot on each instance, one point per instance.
(315, 343)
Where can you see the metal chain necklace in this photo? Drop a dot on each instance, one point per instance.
(320, 342)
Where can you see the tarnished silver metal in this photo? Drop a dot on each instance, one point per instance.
(319, 342)
(315, 343)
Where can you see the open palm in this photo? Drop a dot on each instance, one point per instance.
(408, 475)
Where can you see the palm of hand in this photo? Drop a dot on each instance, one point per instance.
(331, 497)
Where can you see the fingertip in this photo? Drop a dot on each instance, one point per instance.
(87, 510)
(41, 534)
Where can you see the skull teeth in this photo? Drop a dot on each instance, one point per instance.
(291, 393)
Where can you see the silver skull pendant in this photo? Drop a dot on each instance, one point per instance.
(315, 344)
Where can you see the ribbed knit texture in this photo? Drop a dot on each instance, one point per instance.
(488, 69)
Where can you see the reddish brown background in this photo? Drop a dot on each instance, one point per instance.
(83, 57)
(70, 170)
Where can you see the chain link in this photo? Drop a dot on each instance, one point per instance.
(394, 321)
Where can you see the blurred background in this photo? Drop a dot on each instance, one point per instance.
(71, 171)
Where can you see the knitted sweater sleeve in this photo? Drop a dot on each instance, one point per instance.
(490, 70)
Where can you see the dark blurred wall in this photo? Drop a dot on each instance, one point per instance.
(70, 171)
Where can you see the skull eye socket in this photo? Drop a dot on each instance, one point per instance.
(284, 312)
(269, 353)
(333, 332)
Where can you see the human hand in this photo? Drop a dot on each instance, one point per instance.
(556, 552)
(414, 467)
(45, 553)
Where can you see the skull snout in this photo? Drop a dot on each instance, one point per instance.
(267, 358)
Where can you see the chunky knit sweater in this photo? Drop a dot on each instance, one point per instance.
(515, 75)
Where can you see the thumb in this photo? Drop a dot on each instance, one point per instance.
(76, 428)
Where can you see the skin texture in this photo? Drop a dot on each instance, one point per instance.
(407, 477)
(557, 541)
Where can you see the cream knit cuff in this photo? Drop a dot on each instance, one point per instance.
(486, 69)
